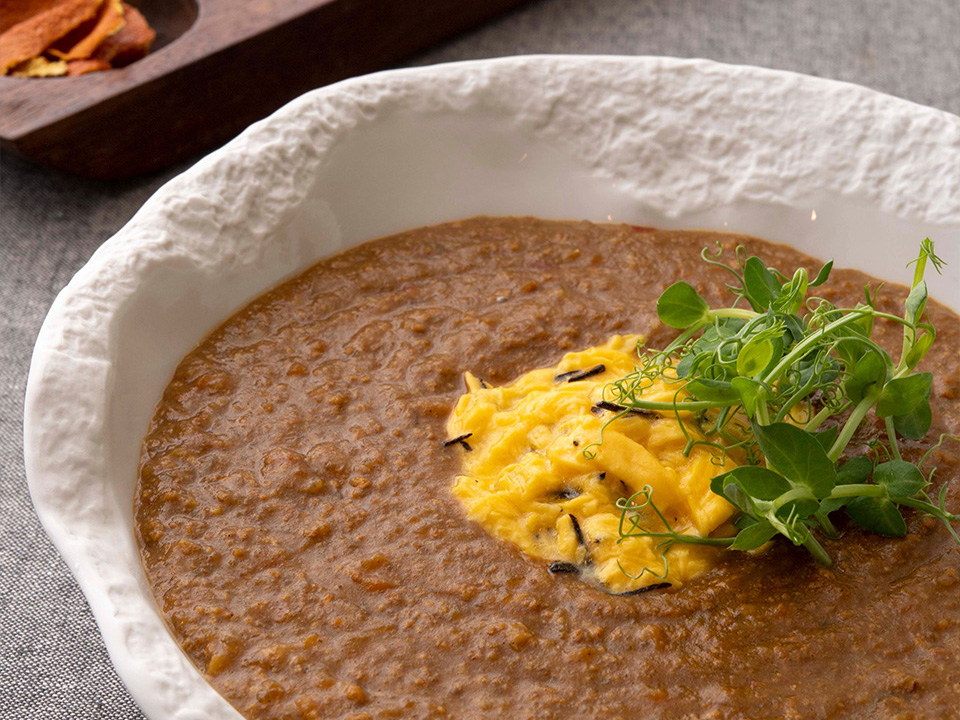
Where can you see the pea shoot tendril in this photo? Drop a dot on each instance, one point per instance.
(762, 377)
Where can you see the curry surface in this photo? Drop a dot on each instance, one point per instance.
(297, 526)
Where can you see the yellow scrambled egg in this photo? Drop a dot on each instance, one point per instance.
(527, 480)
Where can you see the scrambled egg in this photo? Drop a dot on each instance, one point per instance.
(527, 479)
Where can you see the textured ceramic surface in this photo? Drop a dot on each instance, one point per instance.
(833, 169)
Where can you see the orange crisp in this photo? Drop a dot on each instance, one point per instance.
(87, 65)
(130, 43)
(40, 67)
(28, 39)
(45, 38)
(16, 11)
(109, 21)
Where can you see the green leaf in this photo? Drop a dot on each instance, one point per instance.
(901, 396)
(794, 328)
(830, 505)
(916, 301)
(729, 327)
(681, 306)
(798, 508)
(809, 369)
(760, 285)
(869, 370)
(914, 425)
(822, 276)
(863, 324)
(851, 349)
(689, 362)
(727, 355)
(855, 471)
(900, 478)
(754, 357)
(798, 455)
(718, 391)
(792, 294)
(827, 437)
(754, 536)
(758, 482)
(877, 515)
(751, 392)
(735, 495)
(918, 349)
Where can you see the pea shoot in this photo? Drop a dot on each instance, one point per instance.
(761, 378)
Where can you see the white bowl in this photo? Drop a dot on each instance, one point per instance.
(833, 169)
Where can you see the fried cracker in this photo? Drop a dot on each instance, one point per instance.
(28, 39)
(87, 65)
(39, 67)
(132, 41)
(109, 22)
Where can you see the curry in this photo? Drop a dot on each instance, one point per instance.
(299, 527)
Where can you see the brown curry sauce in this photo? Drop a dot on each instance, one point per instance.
(298, 531)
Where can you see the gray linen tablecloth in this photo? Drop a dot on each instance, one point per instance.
(53, 663)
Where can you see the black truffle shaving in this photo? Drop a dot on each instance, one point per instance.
(558, 566)
(648, 588)
(613, 407)
(567, 494)
(461, 440)
(575, 375)
(577, 530)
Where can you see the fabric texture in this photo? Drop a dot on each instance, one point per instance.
(53, 663)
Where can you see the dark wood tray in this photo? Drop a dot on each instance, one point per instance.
(216, 66)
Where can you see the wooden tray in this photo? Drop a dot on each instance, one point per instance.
(216, 66)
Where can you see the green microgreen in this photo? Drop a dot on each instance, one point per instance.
(761, 383)
(634, 513)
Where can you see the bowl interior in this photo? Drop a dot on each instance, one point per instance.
(493, 165)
